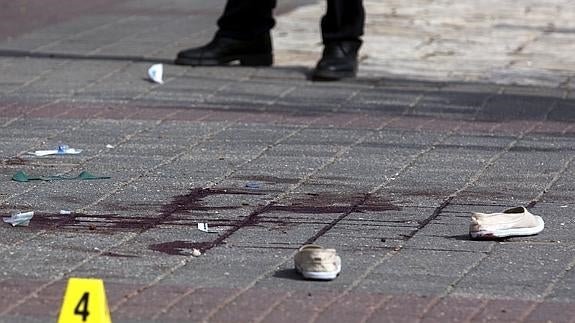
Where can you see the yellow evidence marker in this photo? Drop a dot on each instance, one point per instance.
(85, 301)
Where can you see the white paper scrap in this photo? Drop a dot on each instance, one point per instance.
(20, 219)
(62, 150)
(204, 228)
(156, 73)
(65, 212)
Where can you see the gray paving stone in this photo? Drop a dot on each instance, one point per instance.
(386, 168)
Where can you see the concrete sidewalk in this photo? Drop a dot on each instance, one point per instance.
(387, 170)
(496, 41)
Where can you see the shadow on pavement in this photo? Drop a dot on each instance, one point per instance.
(288, 274)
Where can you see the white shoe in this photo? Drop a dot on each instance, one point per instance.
(512, 222)
(315, 262)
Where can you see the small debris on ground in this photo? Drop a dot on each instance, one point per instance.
(254, 185)
(204, 228)
(61, 150)
(20, 176)
(20, 219)
(156, 73)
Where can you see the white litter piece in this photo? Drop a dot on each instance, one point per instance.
(61, 150)
(110, 146)
(65, 212)
(156, 73)
(20, 219)
(196, 253)
(204, 228)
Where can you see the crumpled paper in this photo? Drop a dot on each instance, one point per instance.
(20, 219)
(156, 73)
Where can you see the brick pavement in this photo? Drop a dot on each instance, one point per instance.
(385, 170)
(497, 41)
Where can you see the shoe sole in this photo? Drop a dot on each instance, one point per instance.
(244, 60)
(503, 233)
(318, 275)
(332, 76)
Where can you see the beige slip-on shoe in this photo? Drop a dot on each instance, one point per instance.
(512, 222)
(315, 262)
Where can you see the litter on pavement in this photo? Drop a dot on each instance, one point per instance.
(511, 222)
(204, 228)
(61, 150)
(254, 185)
(20, 176)
(156, 73)
(316, 262)
(20, 219)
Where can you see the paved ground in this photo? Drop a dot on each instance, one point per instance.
(386, 170)
(522, 42)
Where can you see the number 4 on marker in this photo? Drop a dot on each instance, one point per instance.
(84, 302)
(82, 307)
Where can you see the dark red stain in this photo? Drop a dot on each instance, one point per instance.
(112, 222)
(14, 161)
(118, 255)
(312, 203)
(268, 179)
(179, 248)
(194, 202)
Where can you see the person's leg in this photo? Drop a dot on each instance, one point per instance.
(246, 19)
(243, 35)
(342, 28)
(343, 21)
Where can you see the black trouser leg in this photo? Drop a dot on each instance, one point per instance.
(343, 21)
(247, 19)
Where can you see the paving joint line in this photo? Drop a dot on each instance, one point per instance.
(386, 299)
(272, 307)
(169, 271)
(262, 209)
(477, 310)
(2, 250)
(212, 184)
(555, 280)
(395, 251)
(60, 276)
(160, 164)
(448, 200)
(254, 282)
(52, 68)
(95, 51)
(171, 304)
(254, 213)
(549, 185)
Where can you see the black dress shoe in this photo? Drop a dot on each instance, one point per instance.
(222, 51)
(339, 60)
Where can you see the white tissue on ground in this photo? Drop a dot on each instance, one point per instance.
(156, 73)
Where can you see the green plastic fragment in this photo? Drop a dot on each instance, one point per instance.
(88, 176)
(20, 176)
